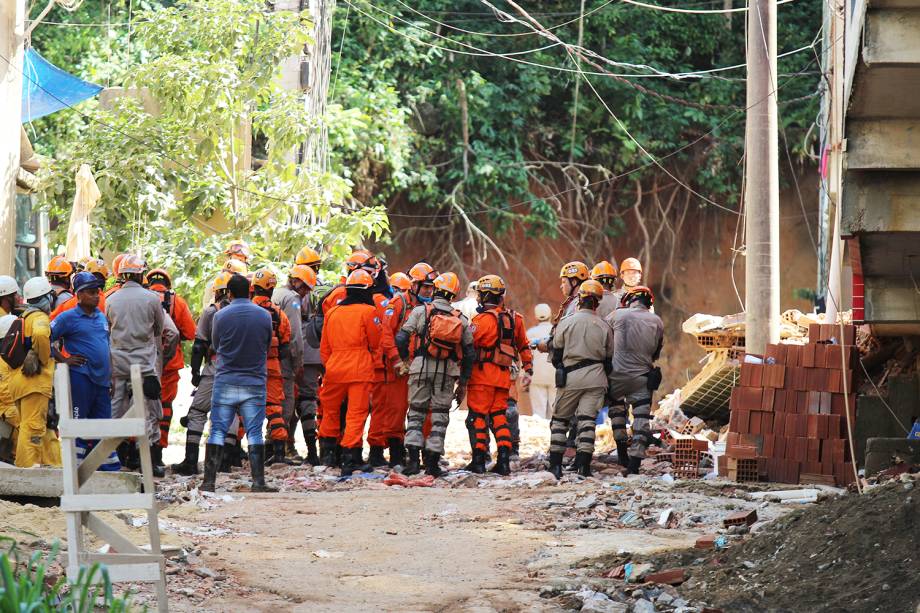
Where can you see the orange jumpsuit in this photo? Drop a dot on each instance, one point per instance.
(169, 381)
(487, 391)
(351, 338)
(331, 299)
(274, 397)
(71, 303)
(385, 411)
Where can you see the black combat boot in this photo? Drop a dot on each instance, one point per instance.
(134, 457)
(634, 464)
(555, 464)
(375, 457)
(312, 457)
(213, 454)
(503, 463)
(584, 463)
(477, 464)
(257, 468)
(433, 464)
(353, 462)
(414, 463)
(623, 453)
(188, 466)
(278, 454)
(226, 458)
(327, 447)
(290, 451)
(156, 459)
(397, 453)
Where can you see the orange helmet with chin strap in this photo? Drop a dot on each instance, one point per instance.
(639, 292)
(305, 274)
(59, 267)
(603, 269)
(401, 281)
(575, 270)
(158, 276)
(447, 282)
(423, 273)
(264, 279)
(307, 257)
(359, 279)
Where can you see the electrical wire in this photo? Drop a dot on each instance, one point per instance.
(671, 9)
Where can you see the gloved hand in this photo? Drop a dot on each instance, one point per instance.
(401, 368)
(460, 392)
(151, 387)
(196, 379)
(31, 365)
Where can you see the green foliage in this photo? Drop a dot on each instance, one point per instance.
(26, 587)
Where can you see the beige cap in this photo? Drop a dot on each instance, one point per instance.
(542, 312)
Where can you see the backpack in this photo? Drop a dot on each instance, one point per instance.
(443, 333)
(15, 345)
(502, 353)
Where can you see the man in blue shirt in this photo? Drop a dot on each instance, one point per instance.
(84, 331)
(241, 334)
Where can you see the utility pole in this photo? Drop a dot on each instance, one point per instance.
(761, 198)
(12, 36)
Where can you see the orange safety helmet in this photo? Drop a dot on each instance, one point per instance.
(363, 259)
(265, 279)
(116, 263)
(637, 293)
(401, 281)
(234, 266)
(159, 276)
(591, 289)
(59, 267)
(222, 280)
(491, 284)
(307, 257)
(603, 269)
(97, 267)
(447, 282)
(630, 264)
(423, 273)
(305, 274)
(238, 250)
(574, 270)
(132, 265)
(359, 279)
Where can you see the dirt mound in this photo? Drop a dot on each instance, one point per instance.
(854, 553)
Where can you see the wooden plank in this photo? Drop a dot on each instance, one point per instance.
(93, 429)
(110, 535)
(106, 502)
(49, 482)
(135, 572)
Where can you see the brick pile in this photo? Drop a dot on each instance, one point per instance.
(788, 414)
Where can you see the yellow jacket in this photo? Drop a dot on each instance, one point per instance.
(8, 409)
(36, 326)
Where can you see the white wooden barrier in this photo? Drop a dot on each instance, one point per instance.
(129, 562)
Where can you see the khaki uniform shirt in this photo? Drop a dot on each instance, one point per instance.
(584, 336)
(637, 337)
(136, 323)
(415, 326)
(289, 302)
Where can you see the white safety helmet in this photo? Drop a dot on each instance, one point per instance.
(542, 312)
(36, 287)
(5, 322)
(8, 286)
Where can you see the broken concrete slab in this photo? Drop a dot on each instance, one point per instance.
(49, 482)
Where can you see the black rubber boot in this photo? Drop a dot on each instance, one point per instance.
(134, 457)
(278, 454)
(584, 463)
(575, 464)
(477, 464)
(375, 457)
(312, 457)
(213, 454)
(555, 464)
(227, 460)
(236, 458)
(188, 466)
(433, 464)
(503, 463)
(327, 447)
(515, 452)
(122, 452)
(413, 464)
(634, 464)
(623, 453)
(156, 457)
(257, 468)
(353, 462)
(397, 453)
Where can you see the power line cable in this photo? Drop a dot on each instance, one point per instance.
(673, 9)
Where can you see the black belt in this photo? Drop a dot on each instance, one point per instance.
(580, 365)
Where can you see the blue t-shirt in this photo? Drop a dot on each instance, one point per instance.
(87, 336)
(241, 334)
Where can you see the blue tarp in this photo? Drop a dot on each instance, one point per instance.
(46, 88)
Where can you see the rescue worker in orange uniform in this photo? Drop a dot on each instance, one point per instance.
(421, 291)
(116, 273)
(159, 281)
(351, 338)
(58, 273)
(391, 311)
(499, 337)
(400, 282)
(263, 285)
(101, 272)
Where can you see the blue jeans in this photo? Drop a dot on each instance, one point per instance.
(91, 401)
(227, 400)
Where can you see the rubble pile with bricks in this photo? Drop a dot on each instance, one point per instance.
(788, 419)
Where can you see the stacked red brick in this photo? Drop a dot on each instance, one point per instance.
(788, 415)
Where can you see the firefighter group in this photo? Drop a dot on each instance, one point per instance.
(387, 354)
